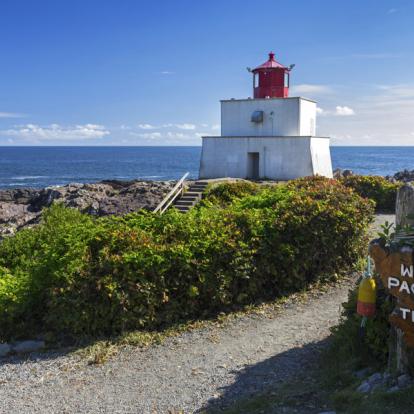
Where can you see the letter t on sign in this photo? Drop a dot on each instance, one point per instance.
(404, 312)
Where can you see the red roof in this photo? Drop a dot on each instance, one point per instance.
(271, 63)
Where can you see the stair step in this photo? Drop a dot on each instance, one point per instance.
(182, 208)
(196, 194)
(189, 198)
(183, 203)
(205, 183)
(197, 189)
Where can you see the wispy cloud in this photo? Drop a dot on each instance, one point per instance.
(392, 11)
(311, 88)
(382, 116)
(344, 111)
(56, 132)
(11, 115)
(166, 72)
(147, 126)
(339, 111)
(185, 126)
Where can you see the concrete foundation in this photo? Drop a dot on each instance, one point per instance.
(275, 158)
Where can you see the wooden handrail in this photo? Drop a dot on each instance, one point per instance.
(172, 195)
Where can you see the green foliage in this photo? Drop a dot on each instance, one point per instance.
(370, 350)
(376, 188)
(227, 192)
(78, 276)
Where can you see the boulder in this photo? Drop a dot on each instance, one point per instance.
(405, 176)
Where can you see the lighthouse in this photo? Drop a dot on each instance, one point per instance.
(269, 136)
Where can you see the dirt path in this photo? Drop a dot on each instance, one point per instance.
(199, 369)
(245, 356)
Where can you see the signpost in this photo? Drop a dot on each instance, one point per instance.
(396, 269)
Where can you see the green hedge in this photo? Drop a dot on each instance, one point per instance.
(376, 188)
(78, 276)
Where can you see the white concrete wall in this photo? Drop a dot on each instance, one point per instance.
(307, 117)
(321, 157)
(281, 158)
(282, 117)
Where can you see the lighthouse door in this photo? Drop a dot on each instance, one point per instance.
(253, 165)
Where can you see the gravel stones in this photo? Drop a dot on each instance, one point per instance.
(379, 380)
(199, 369)
(5, 349)
(21, 347)
(28, 346)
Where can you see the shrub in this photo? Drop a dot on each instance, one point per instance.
(75, 276)
(227, 192)
(376, 188)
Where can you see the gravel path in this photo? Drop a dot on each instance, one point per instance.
(206, 367)
(244, 356)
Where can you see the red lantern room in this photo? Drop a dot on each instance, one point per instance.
(271, 80)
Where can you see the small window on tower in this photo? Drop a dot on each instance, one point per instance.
(286, 79)
(256, 80)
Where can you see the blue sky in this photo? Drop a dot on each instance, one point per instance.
(123, 72)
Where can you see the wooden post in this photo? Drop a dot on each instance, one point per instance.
(396, 269)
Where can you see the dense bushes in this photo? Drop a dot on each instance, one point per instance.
(75, 275)
(376, 188)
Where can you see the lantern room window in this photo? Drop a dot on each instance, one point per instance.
(256, 80)
(286, 79)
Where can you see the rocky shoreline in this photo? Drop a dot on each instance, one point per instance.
(21, 208)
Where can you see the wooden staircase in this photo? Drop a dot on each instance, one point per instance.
(190, 197)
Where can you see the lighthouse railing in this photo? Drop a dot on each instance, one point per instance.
(172, 195)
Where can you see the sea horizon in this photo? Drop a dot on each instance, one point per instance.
(51, 165)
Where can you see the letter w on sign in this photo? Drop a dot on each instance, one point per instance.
(407, 270)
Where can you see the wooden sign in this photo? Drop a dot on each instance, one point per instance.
(396, 269)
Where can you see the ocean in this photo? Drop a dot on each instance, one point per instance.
(44, 166)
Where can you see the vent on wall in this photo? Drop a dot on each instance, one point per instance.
(257, 117)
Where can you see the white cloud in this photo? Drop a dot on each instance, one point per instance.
(56, 132)
(147, 126)
(10, 115)
(344, 111)
(320, 111)
(311, 88)
(385, 117)
(146, 135)
(166, 72)
(215, 127)
(185, 126)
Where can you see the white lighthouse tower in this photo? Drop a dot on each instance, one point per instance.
(271, 136)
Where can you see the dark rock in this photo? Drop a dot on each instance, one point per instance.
(339, 173)
(22, 207)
